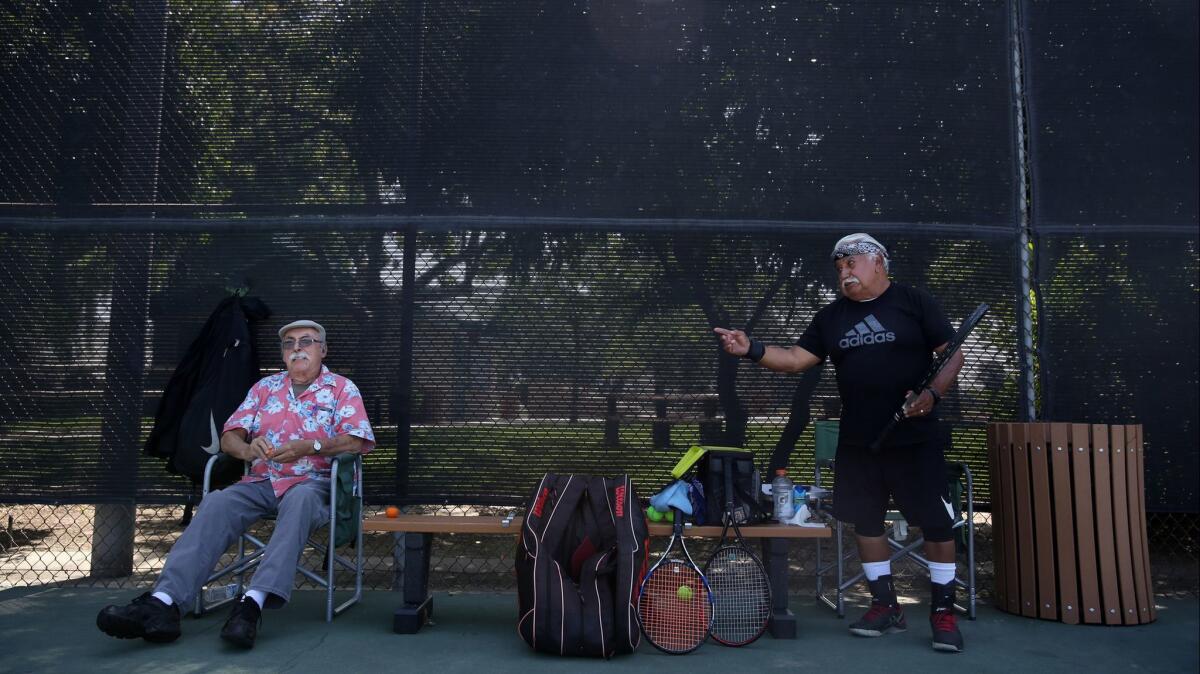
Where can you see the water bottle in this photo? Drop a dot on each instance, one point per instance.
(781, 496)
(800, 496)
(219, 593)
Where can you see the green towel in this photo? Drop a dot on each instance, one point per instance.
(349, 511)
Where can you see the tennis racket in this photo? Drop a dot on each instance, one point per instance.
(741, 588)
(675, 603)
(939, 362)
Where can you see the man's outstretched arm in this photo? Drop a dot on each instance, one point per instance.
(777, 358)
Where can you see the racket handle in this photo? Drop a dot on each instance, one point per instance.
(887, 430)
(677, 523)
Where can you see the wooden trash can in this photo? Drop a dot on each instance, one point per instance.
(1069, 522)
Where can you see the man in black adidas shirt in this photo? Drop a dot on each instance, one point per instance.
(881, 337)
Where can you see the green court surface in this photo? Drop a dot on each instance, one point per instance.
(53, 630)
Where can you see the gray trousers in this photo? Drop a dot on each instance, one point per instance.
(226, 514)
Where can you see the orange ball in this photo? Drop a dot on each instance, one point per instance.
(392, 511)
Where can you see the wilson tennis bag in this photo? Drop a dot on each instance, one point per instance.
(580, 561)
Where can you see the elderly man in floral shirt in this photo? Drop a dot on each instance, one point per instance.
(290, 426)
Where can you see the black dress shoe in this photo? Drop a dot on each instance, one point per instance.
(242, 626)
(146, 617)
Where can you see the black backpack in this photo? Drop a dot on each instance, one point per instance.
(580, 561)
(747, 503)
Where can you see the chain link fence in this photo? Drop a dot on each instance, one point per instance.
(52, 545)
(558, 201)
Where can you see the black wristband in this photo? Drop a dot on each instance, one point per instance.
(757, 350)
(937, 397)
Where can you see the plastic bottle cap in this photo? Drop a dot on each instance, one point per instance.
(781, 471)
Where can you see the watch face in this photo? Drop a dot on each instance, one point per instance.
(317, 446)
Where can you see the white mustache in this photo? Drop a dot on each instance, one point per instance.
(847, 281)
(298, 356)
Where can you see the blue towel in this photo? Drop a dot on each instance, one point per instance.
(674, 496)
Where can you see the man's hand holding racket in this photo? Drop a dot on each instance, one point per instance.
(918, 405)
(945, 366)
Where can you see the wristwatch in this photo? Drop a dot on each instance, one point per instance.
(316, 446)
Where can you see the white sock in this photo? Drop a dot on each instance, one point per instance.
(163, 597)
(258, 596)
(876, 569)
(941, 573)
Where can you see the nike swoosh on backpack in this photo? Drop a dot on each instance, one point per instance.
(214, 445)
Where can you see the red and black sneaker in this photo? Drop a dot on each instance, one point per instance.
(884, 616)
(946, 636)
(942, 620)
(879, 620)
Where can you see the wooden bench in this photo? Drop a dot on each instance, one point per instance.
(417, 604)
(662, 420)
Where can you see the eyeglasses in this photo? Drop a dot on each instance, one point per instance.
(304, 342)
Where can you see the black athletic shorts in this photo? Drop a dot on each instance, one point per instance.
(913, 476)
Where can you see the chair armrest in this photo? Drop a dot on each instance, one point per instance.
(214, 463)
(960, 473)
(821, 466)
(337, 462)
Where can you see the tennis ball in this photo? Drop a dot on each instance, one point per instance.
(684, 593)
(653, 514)
(669, 516)
(392, 511)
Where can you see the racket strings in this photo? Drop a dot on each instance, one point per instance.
(675, 607)
(741, 594)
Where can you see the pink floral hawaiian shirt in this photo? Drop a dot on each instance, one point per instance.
(330, 406)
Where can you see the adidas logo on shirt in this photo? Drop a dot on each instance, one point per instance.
(867, 331)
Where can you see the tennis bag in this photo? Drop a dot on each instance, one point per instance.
(580, 561)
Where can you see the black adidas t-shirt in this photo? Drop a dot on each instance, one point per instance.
(880, 349)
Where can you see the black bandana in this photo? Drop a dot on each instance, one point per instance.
(857, 248)
(858, 244)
